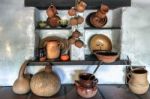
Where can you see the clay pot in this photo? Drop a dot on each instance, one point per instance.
(104, 8)
(53, 49)
(81, 6)
(98, 21)
(45, 83)
(72, 11)
(100, 42)
(73, 21)
(80, 19)
(106, 56)
(76, 34)
(86, 86)
(51, 11)
(138, 82)
(53, 21)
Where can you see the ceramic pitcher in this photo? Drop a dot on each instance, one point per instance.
(138, 82)
(53, 49)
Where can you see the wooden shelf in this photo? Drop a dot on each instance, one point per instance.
(103, 28)
(89, 60)
(67, 4)
(109, 91)
(57, 28)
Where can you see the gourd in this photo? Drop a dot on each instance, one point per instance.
(22, 83)
(45, 83)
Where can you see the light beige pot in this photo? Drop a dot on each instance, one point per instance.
(138, 82)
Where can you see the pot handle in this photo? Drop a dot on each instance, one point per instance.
(77, 83)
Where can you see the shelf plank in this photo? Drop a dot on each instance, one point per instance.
(72, 93)
(89, 60)
(58, 28)
(67, 4)
(68, 63)
(103, 28)
(68, 91)
(117, 92)
(6, 93)
(59, 95)
(86, 28)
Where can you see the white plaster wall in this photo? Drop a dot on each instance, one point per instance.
(17, 43)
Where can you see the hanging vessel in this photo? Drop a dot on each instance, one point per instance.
(86, 86)
(81, 6)
(22, 83)
(138, 82)
(51, 11)
(45, 83)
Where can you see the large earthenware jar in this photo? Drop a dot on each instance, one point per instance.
(138, 82)
(86, 86)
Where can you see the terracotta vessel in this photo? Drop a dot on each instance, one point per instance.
(45, 83)
(99, 19)
(138, 82)
(51, 11)
(81, 6)
(106, 56)
(53, 21)
(86, 86)
(53, 49)
(72, 11)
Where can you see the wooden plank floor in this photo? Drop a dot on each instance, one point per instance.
(69, 92)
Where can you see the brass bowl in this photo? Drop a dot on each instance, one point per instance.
(100, 42)
(106, 56)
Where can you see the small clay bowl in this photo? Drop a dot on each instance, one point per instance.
(106, 56)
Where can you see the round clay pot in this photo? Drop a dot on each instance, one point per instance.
(86, 86)
(45, 83)
(72, 11)
(95, 21)
(104, 9)
(138, 83)
(81, 6)
(73, 21)
(53, 21)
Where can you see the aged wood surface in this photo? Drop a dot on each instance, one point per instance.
(69, 92)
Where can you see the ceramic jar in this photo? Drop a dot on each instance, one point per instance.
(86, 86)
(138, 82)
(53, 49)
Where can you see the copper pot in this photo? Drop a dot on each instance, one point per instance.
(86, 86)
(100, 42)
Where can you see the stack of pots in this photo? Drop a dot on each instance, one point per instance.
(99, 19)
(53, 19)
